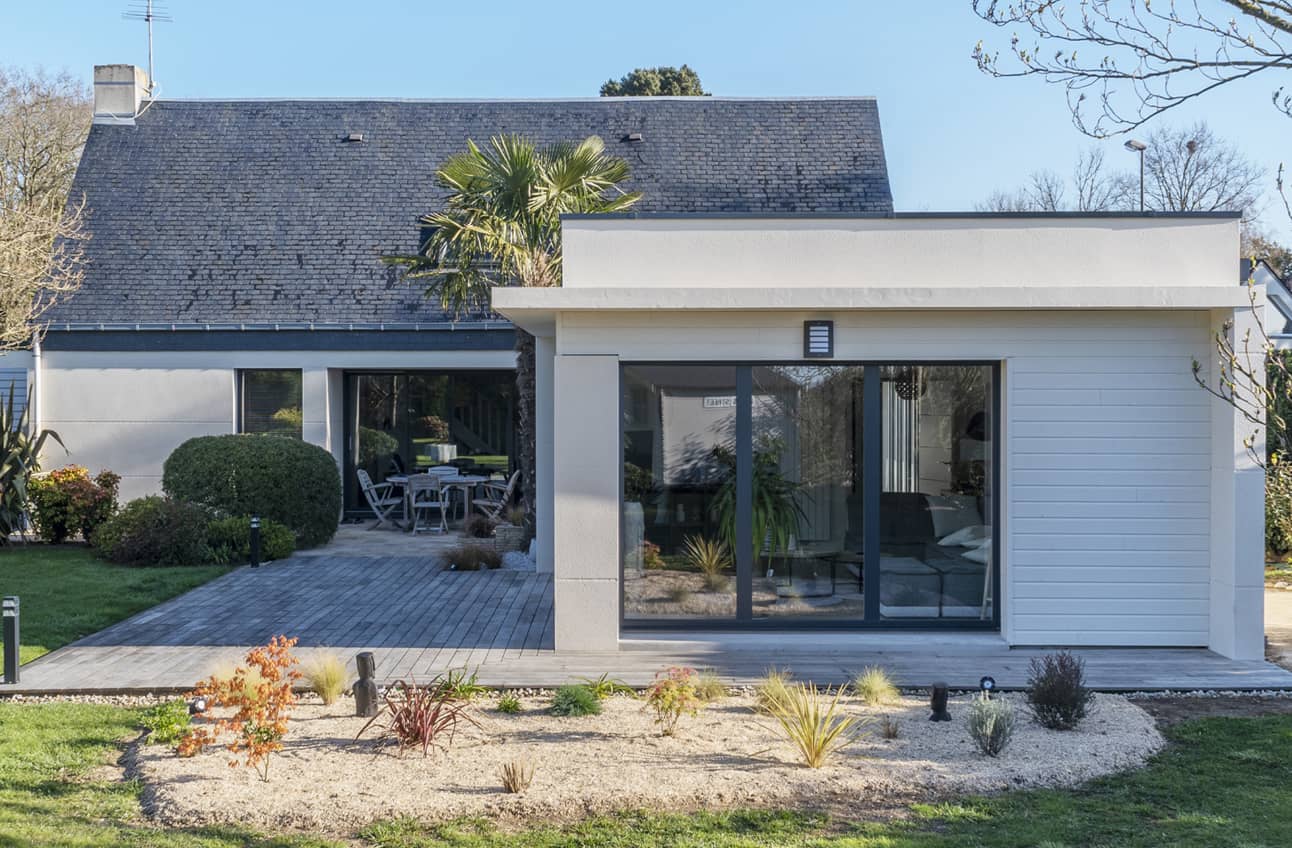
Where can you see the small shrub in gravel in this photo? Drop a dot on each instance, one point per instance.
(875, 687)
(889, 728)
(605, 686)
(708, 686)
(1056, 690)
(516, 776)
(574, 700)
(509, 704)
(326, 677)
(167, 723)
(991, 724)
(772, 689)
(672, 696)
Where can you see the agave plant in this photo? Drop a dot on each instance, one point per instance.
(19, 459)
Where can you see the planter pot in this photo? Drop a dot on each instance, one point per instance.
(509, 537)
(441, 454)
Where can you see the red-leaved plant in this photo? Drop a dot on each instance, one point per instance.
(419, 717)
(262, 701)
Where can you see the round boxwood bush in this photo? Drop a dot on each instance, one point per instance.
(230, 540)
(155, 531)
(275, 477)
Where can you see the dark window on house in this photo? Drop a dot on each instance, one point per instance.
(270, 402)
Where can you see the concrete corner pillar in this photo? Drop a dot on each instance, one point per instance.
(544, 403)
(1237, 613)
(586, 498)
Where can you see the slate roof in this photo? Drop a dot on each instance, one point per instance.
(260, 211)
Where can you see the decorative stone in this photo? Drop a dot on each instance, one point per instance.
(365, 688)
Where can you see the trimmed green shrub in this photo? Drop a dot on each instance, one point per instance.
(275, 477)
(155, 531)
(68, 501)
(230, 540)
(575, 700)
(167, 723)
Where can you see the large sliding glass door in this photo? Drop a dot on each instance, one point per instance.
(809, 495)
(409, 420)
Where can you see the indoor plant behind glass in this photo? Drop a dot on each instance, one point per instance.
(776, 509)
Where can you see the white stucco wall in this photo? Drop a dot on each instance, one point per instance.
(128, 410)
(946, 252)
(1107, 477)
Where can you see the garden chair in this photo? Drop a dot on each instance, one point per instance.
(381, 498)
(426, 492)
(497, 496)
(447, 471)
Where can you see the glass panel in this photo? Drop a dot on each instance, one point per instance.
(935, 508)
(807, 488)
(679, 424)
(412, 421)
(271, 402)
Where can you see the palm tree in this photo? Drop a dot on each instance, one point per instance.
(501, 226)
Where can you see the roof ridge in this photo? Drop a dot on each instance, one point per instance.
(829, 98)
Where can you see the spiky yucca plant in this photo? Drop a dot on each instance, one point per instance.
(19, 459)
(710, 557)
(814, 722)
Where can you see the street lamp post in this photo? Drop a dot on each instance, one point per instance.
(1139, 147)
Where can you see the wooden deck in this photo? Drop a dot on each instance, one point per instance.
(421, 621)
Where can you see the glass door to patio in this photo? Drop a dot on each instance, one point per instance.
(399, 422)
(809, 495)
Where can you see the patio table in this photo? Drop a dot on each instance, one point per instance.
(465, 482)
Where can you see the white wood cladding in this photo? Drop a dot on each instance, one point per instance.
(1106, 454)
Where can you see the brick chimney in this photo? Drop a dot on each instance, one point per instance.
(119, 90)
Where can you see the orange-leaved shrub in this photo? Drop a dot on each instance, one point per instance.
(261, 695)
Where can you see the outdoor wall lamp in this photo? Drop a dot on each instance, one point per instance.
(818, 339)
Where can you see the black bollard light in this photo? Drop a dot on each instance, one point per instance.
(255, 541)
(938, 703)
(365, 688)
(10, 606)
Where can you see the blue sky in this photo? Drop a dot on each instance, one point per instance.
(952, 134)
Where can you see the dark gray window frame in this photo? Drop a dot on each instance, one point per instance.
(872, 483)
(240, 393)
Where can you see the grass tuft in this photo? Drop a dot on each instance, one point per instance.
(325, 674)
(815, 723)
(875, 687)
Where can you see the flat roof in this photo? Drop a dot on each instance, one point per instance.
(1224, 215)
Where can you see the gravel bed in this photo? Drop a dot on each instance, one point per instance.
(726, 757)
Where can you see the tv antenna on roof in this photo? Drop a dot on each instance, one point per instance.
(148, 11)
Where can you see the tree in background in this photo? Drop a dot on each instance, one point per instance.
(656, 82)
(501, 226)
(1185, 170)
(43, 124)
(1092, 188)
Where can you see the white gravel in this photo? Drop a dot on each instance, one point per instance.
(726, 757)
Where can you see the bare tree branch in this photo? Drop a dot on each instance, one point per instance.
(1124, 62)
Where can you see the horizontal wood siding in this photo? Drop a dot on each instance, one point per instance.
(1107, 447)
(16, 377)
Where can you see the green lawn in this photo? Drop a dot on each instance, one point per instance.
(1223, 783)
(67, 593)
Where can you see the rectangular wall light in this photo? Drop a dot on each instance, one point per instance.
(818, 339)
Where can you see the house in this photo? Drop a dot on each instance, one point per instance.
(765, 401)
(1277, 315)
(912, 421)
(234, 279)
